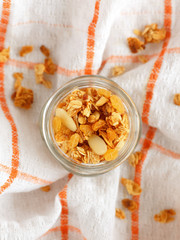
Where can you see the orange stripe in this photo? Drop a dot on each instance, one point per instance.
(15, 149)
(30, 65)
(91, 39)
(25, 176)
(69, 227)
(111, 59)
(173, 50)
(157, 66)
(124, 59)
(64, 211)
(138, 172)
(163, 150)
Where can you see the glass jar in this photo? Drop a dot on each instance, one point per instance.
(48, 111)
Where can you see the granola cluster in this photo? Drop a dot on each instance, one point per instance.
(165, 216)
(150, 34)
(4, 55)
(91, 125)
(22, 97)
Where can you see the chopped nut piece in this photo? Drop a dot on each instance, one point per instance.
(25, 50)
(105, 137)
(18, 77)
(4, 55)
(23, 98)
(143, 59)
(45, 188)
(86, 129)
(56, 124)
(101, 101)
(132, 187)
(50, 67)
(104, 92)
(165, 216)
(129, 204)
(117, 70)
(74, 140)
(111, 154)
(114, 119)
(94, 117)
(45, 50)
(111, 134)
(82, 119)
(117, 104)
(177, 99)
(134, 158)
(74, 104)
(135, 45)
(39, 70)
(97, 125)
(120, 213)
(87, 110)
(137, 32)
(152, 34)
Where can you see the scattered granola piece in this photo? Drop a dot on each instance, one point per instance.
(50, 67)
(117, 104)
(132, 187)
(45, 50)
(134, 158)
(46, 188)
(111, 154)
(18, 77)
(4, 55)
(39, 70)
(129, 204)
(143, 59)
(137, 32)
(152, 34)
(23, 98)
(47, 83)
(165, 216)
(56, 124)
(25, 50)
(177, 99)
(117, 70)
(135, 44)
(97, 125)
(120, 213)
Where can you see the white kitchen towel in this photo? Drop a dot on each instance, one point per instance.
(89, 37)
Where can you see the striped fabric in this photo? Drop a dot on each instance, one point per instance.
(89, 37)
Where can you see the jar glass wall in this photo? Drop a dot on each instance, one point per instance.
(48, 111)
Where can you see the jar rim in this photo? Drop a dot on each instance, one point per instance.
(81, 82)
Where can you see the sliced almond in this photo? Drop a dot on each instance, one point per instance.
(101, 101)
(97, 144)
(66, 119)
